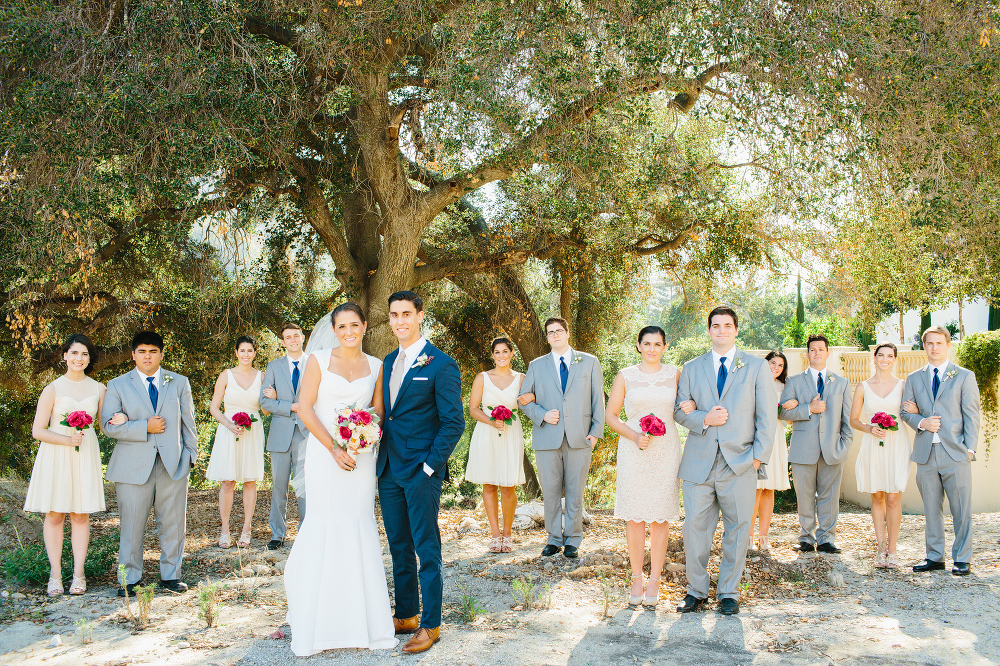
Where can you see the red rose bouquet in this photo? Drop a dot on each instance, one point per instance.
(886, 422)
(501, 413)
(80, 420)
(243, 420)
(652, 426)
(357, 430)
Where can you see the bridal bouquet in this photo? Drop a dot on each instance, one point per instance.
(886, 422)
(243, 420)
(80, 420)
(501, 413)
(357, 430)
(652, 426)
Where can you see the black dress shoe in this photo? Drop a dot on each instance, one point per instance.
(550, 550)
(961, 569)
(828, 547)
(131, 589)
(804, 547)
(929, 565)
(571, 552)
(691, 604)
(275, 544)
(173, 586)
(729, 607)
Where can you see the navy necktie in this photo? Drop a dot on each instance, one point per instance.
(819, 385)
(936, 384)
(563, 373)
(721, 383)
(295, 376)
(153, 393)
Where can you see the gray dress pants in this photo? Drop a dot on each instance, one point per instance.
(939, 476)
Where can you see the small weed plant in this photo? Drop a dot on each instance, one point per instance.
(209, 603)
(469, 607)
(525, 591)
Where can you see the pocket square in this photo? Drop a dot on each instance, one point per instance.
(420, 379)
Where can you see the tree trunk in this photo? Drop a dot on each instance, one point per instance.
(586, 334)
(566, 297)
(902, 338)
(961, 326)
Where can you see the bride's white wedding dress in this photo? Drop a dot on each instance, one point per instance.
(335, 580)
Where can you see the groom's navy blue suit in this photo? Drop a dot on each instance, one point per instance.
(422, 427)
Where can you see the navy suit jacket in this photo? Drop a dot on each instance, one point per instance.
(427, 421)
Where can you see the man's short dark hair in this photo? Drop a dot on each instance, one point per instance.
(290, 326)
(147, 338)
(410, 296)
(555, 320)
(817, 338)
(724, 310)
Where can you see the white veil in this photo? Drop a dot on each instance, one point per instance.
(322, 336)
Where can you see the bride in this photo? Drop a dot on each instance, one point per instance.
(335, 579)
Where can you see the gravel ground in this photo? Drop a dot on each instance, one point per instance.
(810, 609)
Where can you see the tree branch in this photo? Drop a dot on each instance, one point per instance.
(544, 247)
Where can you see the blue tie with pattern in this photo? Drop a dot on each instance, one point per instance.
(295, 376)
(153, 393)
(936, 384)
(721, 382)
(563, 373)
(819, 385)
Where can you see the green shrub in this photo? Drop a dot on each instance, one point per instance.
(686, 349)
(980, 353)
(28, 563)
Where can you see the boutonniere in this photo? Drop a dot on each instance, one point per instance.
(737, 363)
(951, 373)
(576, 359)
(167, 378)
(422, 360)
(829, 378)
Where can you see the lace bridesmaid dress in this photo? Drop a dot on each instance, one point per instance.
(883, 468)
(647, 488)
(63, 479)
(497, 458)
(777, 466)
(335, 580)
(243, 459)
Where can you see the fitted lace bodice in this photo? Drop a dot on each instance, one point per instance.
(335, 392)
(649, 393)
(72, 397)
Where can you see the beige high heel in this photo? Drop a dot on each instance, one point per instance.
(655, 599)
(55, 587)
(634, 600)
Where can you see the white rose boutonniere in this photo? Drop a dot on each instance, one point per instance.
(576, 359)
(422, 360)
(951, 373)
(738, 363)
(167, 378)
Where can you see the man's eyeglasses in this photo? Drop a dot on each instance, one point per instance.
(555, 331)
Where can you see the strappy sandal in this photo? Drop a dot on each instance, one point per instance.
(225, 541)
(890, 561)
(496, 546)
(655, 599)
(244, 541)
(55, 587)
(79, 586)
(634, 600)
(508, 545)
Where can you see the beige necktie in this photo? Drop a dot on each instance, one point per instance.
(396, 378)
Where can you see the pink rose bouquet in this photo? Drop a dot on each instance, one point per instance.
(357, 430)
(80, 420)
(652, 426)
(501, 413)
(886, 422)
(243, 420)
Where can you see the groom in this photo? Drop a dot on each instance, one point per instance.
(568, 413)
(731, 434)
(150, 463)
(947, 432)
(424, 421)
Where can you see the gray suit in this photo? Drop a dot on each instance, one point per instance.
(717, 464)
(285, 440)
(562, 450)
(944, 467)
(819, 448)
(151, 470)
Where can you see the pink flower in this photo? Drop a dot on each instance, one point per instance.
(501, 413)
(361, 416)
(242, 419)
(345, 433)
(652, 425)
(79, 420)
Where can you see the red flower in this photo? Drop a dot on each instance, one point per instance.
(501, 413)
(652, 425)
(345, 433)
(79, 420)
(242, 419)
(361, 416)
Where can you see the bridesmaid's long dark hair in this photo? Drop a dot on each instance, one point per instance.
(783, 377)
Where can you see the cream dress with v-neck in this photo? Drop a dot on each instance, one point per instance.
(240, 459)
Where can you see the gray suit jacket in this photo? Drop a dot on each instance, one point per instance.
(828, 433)
(283, 421)
(581, 408)
(957, 404)
(748, 395)
(135, 452)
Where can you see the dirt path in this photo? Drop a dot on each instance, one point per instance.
(814, 609)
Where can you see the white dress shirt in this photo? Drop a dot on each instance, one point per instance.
(717, 361)
(567, 356)
(302, 366)
(814, 373)
(410, 355)
(942, 369)
(156, 378)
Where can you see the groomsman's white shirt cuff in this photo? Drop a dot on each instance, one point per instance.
(428, 470)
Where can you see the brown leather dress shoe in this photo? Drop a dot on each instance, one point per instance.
(406, 625)
(423, 640)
